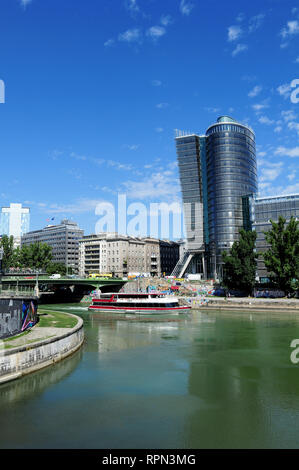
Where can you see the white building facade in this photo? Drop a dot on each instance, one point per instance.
(15, 221)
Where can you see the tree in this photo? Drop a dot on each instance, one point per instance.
(36, 256)
(239, 268)
(282, 258)
(56, 268)
(8, 251)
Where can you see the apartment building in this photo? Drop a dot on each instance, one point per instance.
(119, 255)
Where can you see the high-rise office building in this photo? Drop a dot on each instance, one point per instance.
(257, 213)
(15, 221)
(216, 170)
(64, 240)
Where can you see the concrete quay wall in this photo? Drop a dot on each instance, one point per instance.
(245, 303)
(19, 361)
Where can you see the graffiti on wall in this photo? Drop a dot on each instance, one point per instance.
(29, 314)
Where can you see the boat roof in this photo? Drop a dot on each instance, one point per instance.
(133, 293)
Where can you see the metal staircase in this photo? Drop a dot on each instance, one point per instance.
(182, 264)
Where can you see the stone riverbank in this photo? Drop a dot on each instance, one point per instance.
(43, 345)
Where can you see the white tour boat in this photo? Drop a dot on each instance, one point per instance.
(140, 303)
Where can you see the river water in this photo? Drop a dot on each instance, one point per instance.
(206, 380)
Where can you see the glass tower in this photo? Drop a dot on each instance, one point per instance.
(231, 174)
(189, 162)
(216, 170)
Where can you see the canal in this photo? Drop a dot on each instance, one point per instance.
(208, 380)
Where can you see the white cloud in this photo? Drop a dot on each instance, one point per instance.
(291, 189)
(165, 20)
(158, 185)
(234, 32)
(78, 157)
(212, 110)
(98, 161)
(24, 3)
(240, 17)
(288, 115)
(131, 147)
(287, 152)
(255, 22)
(269, 174)
(109, 43)
(132, 6)
(266, 120)
(278, 129)
(156, 32)
(268, 170)
(159, 129)
(291, 29)
(131, 35)
(297, 60)
(292, 175)
(255, 91)
(294, 126)
(284, 90)
(119, 165)
(239, 48)
(55, 154)
(186, 7)
(79, 206)
(258, 107)
(249, 78)
(156, 82)
(162, 105)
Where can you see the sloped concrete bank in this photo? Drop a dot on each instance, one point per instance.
(22, 360)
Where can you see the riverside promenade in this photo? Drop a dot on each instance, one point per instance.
(54, 337)
(244, 303)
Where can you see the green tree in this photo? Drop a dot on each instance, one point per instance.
(36, 256)
(239, 268)
(8, 251)
(56, 268)
(282, 257)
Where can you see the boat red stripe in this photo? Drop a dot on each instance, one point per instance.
(99, 307)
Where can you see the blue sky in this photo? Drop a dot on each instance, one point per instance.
(95, 89)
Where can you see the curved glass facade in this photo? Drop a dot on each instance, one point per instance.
(216, 170)
(231, 174)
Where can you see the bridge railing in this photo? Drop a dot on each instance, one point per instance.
(21, 290)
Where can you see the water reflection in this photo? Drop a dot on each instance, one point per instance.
(35, 383)
(207, 380)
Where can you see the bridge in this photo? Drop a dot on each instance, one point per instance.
(64, 289)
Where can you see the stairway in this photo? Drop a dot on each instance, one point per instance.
(182, 264)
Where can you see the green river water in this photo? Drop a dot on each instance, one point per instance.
(206, 380)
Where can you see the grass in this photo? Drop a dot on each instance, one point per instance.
(47, 318)
(17, 336)
(8, 345)
(51, 318)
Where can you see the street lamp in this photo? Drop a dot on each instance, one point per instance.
(36, 289)
(69, 266)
